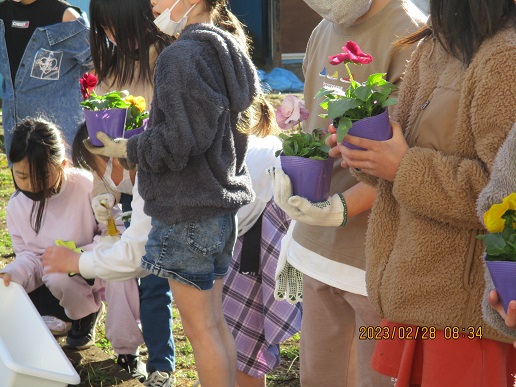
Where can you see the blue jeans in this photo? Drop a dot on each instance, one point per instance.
(156, 319)
(193, 253)
(155, 315)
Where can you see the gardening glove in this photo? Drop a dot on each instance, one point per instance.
(116, 147)
(289, 280)
(331, 212)
(282, 190)
(102, 207)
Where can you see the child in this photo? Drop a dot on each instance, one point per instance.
(52, 201)
(191, 169)
(501, 184)
(125, 44)
(425, 266)
(248, 294)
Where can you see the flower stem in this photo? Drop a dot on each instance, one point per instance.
(351, 79)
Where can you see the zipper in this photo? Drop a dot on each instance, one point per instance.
(411, 138)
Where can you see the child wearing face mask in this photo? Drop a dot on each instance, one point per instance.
(52, 202)
(191, 168)
(330, 257)
(125, 44)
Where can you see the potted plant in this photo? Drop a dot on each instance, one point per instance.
(361, 109)
(115, 113)
(500, 242)
(304, 156)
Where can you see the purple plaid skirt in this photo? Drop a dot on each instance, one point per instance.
(258, 322)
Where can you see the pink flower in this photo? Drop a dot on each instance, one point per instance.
(351, 52)
(291, 112)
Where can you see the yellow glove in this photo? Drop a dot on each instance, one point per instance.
(69, 245)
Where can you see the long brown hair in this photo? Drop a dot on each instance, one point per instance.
(461, 26)
(259, 119)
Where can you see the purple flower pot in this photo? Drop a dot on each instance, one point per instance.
(136, 131)
(373, 128)
(310, 178)
(503, 274)
(109, 121)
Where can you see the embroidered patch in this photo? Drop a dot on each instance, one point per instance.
(46, 65)
(19, 24)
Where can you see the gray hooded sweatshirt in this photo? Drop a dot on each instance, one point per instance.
(191, 157)
(501, 184)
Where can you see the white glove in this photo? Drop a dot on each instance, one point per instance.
(113, 147)
(289, 280)
(332, 212)
(102, 207)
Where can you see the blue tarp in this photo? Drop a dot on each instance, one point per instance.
(280, 80)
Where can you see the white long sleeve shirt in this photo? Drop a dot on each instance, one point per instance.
(120, 260)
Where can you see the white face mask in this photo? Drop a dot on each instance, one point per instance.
(341, 12)
(167, 25)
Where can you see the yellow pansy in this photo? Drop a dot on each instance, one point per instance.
(511, 201)
(493, 217)
(138, 102)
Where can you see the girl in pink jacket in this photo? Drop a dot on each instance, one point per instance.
(52, 202)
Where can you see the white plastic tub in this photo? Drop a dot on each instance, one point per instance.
(29, 354)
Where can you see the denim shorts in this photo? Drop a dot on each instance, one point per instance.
(193, 253)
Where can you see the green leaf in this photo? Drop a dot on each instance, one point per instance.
(389, 102)
(495, 244)
(376, 79)
(343, 128)
(339, 107)
(364, 92)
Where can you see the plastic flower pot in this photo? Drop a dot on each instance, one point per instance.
(310, 178)
(136, 131)
(109, 121)
(373, 128)
(503, 274)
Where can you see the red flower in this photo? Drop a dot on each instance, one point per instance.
(88, 83)
(351, 53)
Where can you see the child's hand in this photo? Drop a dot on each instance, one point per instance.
(510, 316)
(6, 277)
(57, 259)
(102, 207)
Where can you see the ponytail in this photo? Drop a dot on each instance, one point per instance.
(259, 119)
(227, 21)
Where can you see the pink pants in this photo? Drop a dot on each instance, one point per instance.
(123, 316)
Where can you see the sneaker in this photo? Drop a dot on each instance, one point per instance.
(159, 379)
(133, 365)
(57, 326)
(82, 334)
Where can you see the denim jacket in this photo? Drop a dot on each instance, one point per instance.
(47, 81)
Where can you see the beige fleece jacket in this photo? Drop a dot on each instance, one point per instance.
(424, 264)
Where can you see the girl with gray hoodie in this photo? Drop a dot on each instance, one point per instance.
(191, 169)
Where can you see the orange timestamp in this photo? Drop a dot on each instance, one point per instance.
(397, 332)
(455, 333)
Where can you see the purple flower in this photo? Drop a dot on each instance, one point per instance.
(291, 112)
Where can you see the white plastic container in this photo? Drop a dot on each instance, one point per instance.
(29, 355)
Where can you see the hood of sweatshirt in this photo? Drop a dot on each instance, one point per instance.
(239, 72)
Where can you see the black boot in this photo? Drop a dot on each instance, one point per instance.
(82, 334)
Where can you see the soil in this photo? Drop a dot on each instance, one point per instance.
(97, 368)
